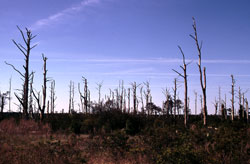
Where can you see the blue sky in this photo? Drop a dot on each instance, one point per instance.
(132, 40)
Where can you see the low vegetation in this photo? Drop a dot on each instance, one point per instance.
(115, 137)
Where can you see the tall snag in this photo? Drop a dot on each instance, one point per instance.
(44, 88)
(147, 94)
(202, 73)
(184, 76)
(52, 96)
(232, 100)
(25, 50)
(134, 88)
(195, 102)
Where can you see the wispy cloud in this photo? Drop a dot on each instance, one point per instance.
(62, 14)
(138, 61)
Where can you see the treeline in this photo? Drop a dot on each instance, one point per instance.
(139, 95)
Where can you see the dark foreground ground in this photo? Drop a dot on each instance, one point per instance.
(113, 137)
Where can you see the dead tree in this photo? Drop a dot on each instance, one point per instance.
(142, 103)
(166, 104)
(184, 76)
(48, 107)
(195, 101)
(215, 106)
(52, 96)
(117, 98)
(31, 95)
(124, 101)
(44, 89)
(175, 96)
(3, 97)
(71, 96)
(240, 106)
(201, 104)
(225, 101)
(220, 101)
(121, 91)
(232, 100)
(128, 100)
(247, 110)
(25, 50)
(10, 94)
(223, 112)
(99, 87)
(202, 73)
(85, 94)
(134, 88)
(88, 100)
(243, 104)
(147, 94)
(81, 96)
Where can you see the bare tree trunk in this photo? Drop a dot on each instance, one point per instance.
(240, 106)
(175, 92)
(220, 101)
(52, 96)
(31, 96)
(48, 107)
(128, 100)
(88, 100)
(142, 104)
(99, 87)
(10, 95)
(184, 76)
(85, 97)
(247, 110)
(243, 110)
(202, 73)
(121, 96)
(201, 101)
(124, 101)
(225, 101)
(232, 100)
(147, 94)
(134, 87)
(70, 96)
(25, 76)
(215, 106)
(195, 93)
(73, 97)
(44, 88)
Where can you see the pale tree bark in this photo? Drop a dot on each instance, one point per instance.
(166, 104)
(147, 94)
(184, 76)
(99, 88)
(52, 96)
(247, 110)
(202, 73)
(128, 100)
(215, 106)
(71, 96)
(10, 94)
(134, 88)
(232, 100)
(142, 103)
(31, 95)
(25, 50)
(44, 89)
(175, 97)
(195, 101)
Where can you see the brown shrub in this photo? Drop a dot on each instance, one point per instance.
(10, 126)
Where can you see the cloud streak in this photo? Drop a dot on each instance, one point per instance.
(141, 61)
(62, 14)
